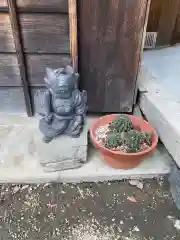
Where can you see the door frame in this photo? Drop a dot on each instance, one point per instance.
(72, 4)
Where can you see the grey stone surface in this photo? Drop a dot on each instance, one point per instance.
(163, 65)
(23, 143)
(63, 152)
(159, 85)
(96, 170)
(20, 158)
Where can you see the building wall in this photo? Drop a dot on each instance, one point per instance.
(154, 15)
(45, 33)
(176, 33)
(154, 19)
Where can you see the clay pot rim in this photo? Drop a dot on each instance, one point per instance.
(149, 149)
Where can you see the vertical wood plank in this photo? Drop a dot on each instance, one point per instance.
(20, 56)
(154, 15)
(176, 33)
(73, 32)
(142, 45)
(110, 43)
(167, 22)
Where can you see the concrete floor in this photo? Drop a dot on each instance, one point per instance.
(22, 151)
(159, 85)
(97, 211)
(164, 66)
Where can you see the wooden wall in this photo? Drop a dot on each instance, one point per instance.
(154, 15)
(45, 33)
(176, 32)
(110, 42)
(164, 18)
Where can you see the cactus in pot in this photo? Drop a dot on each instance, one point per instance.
(121, 124)
(113, 140)
(146, 138)
(125, 146)
(121, 135)
(132, 141)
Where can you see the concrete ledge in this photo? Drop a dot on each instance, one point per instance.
(19, 162)
(161, 110)
(95, 170)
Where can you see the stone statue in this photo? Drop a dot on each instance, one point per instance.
(62, 106)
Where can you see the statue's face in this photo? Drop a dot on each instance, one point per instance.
(64, 85)
(61, 82)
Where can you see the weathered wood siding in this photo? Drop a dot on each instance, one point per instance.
(9, 70)
(45, 33)
(110, 41)
(39, 5)
(154, 15)
(38, 63)
(176, 32)
(6, 37)
(164, 18)
(58, 5)
(167, 22)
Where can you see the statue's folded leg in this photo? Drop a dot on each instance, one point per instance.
(53, 129)
(75, 127)
(76, 133)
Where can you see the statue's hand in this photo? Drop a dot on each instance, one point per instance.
(48, 118)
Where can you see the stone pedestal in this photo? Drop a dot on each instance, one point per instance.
(22, 145)
(63, 152)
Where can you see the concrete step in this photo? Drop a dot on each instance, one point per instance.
(95, 170)
(159, 101)
(20, 163)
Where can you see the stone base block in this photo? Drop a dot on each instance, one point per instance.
(22, 144)
(63, 152)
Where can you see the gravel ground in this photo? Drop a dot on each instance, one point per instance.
(107, 211)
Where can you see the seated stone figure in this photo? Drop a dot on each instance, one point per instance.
(62, 105)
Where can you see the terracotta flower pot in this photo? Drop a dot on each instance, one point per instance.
(119, 159)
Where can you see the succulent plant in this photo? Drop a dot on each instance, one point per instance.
(113, 140)
(132, 141)
(121, 124)
(122, 134)
(146, 137)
